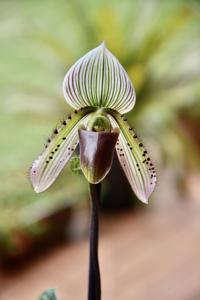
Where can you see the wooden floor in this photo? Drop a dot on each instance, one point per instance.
(149, 255)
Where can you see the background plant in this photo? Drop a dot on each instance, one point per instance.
(158, 44)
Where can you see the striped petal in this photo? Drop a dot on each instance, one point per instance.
(134, 159)
(58, 151)
(99, 80)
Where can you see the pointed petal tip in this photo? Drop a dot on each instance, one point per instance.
(37, 190)
(103, 44)
(144, 197)
(144, 200)
(101, 48)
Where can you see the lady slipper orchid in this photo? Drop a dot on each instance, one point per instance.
(100, 91)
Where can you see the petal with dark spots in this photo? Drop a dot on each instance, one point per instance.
(57, 153)
(134, 159)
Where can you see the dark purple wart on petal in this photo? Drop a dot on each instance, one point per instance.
(96, 153)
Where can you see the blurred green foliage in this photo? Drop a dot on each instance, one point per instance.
(156, 41)
(48, 295)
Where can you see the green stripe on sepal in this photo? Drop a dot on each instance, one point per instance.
(58, 151)
(134, 158)
(96, 153)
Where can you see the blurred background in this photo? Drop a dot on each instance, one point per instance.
(43, 237)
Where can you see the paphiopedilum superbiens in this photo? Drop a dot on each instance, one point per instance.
(100, 91)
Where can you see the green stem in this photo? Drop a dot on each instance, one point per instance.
(94, 287)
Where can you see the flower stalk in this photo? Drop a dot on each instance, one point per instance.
(94, 285)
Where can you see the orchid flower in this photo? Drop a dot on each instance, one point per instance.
(99, 90)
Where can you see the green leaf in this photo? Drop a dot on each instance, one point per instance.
(58, 151)
(75, 165)
(134, 159)
(99, 80)
(48, 295)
